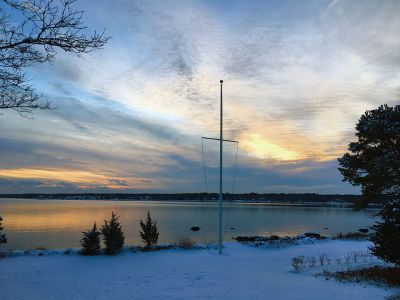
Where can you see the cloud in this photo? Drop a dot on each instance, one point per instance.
(297, 77)
(121, 182)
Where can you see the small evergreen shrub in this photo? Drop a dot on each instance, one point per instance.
(91, 241)
(386, 235)
(113, 235)
(3, 239)
(149, 233)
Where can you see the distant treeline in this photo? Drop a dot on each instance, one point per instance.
(291, 198)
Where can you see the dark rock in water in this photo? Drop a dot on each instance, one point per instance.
(245, 238)
(195, 228)
(363, 230)
(326, 228)
(249, 238)
(263, 240)
(232, 228)
(314, 235)
(258, 238)
(274, 238)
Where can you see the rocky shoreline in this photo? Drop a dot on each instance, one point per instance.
(305, 238)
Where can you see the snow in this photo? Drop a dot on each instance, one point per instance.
(242, 272)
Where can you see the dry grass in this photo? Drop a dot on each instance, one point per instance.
(41, 248)
(351, 258)
(186, 243)
(351, 236)
(376, 275)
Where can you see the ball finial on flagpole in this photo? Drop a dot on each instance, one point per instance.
(221, 81)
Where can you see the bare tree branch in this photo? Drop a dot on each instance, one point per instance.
(47, 25)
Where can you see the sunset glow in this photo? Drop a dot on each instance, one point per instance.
(261, 148)
(130, 116)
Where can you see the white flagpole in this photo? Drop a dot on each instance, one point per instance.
(220, 178)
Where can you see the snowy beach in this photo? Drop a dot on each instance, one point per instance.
(242, 272)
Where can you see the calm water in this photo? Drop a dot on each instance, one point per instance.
(58, 223)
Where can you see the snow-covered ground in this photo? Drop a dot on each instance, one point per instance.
(242, 272)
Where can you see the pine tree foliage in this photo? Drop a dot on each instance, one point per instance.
(3, 238)
(113, 235)
(91, 241)
(373, 161)
(149, 233)
(386, 236)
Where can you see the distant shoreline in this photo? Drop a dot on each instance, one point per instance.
(293, 200)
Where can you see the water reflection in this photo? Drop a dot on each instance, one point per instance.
(57, 224)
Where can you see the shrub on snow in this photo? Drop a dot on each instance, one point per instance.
(113, 235)
(91, 241)
(3, 238)
(149, 233)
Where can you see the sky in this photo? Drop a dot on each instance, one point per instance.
(130, 117)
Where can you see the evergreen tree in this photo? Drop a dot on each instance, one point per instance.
(149, 233)
(386, 236)
(113, 235)
(373, 162)
(91, 241)
(3, 238)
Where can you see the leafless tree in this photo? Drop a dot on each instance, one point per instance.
(31, 31)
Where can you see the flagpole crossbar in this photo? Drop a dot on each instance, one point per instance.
(215, 139)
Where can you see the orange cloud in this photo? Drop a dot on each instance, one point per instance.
(83, 179)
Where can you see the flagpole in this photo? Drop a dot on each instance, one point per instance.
(220, 177)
